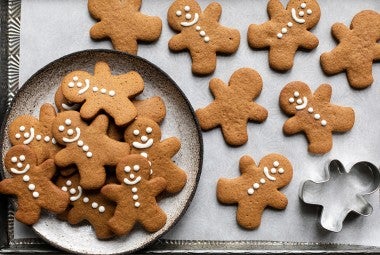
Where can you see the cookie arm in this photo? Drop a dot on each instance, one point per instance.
(64, 158)
(8, 186)
(377, 52)
(112, 191)
(99, 31)
(75, 215)
(257, 112)
(47, 114)
(227, 191)
(278, 200)
(156, 186)
(323, 93)
(309, 41)
(177, 43)
(100, 123)
(217, 88)
(274, 8)
(339, 31)
(171, 146)
(213, 11)
(47, 168)
(292, 126)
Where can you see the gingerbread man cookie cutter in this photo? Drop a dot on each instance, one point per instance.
(341, 192)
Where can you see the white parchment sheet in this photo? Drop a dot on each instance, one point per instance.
(53, 28)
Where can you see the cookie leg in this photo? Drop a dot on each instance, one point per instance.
(248, 215)
(153, 219)
(91, 176)
(56, 200)
(235, 133)
(319, 142)
(28, 212)
(281, 57)
(204, 62)
(360, 76)
(120, 224)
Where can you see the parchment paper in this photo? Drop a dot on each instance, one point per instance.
(53, 28)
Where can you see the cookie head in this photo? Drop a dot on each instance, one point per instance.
(360, 23)
(142, 133)
(183, 13)
(71, 186)
(19, 160)
(304, 12)
(24, 130)
(76, 86)
(132, 169)
(295, 97)
(67, 127)
(277, 169)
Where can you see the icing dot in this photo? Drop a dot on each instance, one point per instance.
(68, 122)
(136, 132)
(299, 101)
(72, 191)
(187, 8)
(188, 16)
(103, 91)
(80, 143)
(47, 139)
(61, 128)
(64, 188)
(79, 84)
(135, 197)
(137, 204)
(89, 154)
(94, 205)
(134, 189)
(197, 28)
(284, 30)
(127, 169)
(36, 194)
(14, 159)
(262, 180)
(202, 33)
(95, 89)
(75, 78)
(53, 141)
(68, 183)
(281, 170)
(136, 167)
(18, 136)
(144, 138)
(86, 200)
(19, 164)
(296, 94)
(323, 122)
(250, 191)
(85, 148)
(149, 130)
(256, 185)
(102, 209)
(31, 187)
(26, 178)
(112, 93)
(207, 39)
(71, 84)
(279, 35)
(144, 154)
(38, 137)
(151, 170)
(301, 13)
(22, 128)
(22, 158)
(290, 24)
(276, 164)
(309, 11)
(178, 13)
(303, 5)
(291, 100)
(70, 132)
(317, 116)
(132, 176)
(26, 135)
(273, 170)
(310, 110)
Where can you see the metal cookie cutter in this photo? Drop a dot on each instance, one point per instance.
(342, 192)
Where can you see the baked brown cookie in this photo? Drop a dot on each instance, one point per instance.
(233, 106)
(201, 34)
(256, 188)
(144, 137)
(286, 31)
(135, 196)
(123, 23)
(358, 48)
(87, 146)
(31, 183)
(314, 115)
(103, 91)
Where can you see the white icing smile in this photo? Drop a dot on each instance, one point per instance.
(191, 23)
(70, 107)
(138, 145)
(85, 88)
(26, 169)
(31, 137)
(303, 105)
(70, 140)
(270, 177)
(129, 182)
(75, 198)
(295, 17)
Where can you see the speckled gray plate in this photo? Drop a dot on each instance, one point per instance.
(180, 122)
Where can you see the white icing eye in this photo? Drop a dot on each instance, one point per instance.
(127, 169)
(75, 78)
(262, 180)
(276, 164)
(299, 101)
(89, 154)
(22, 128)
(197, 28)
(79, 84)
(26, 135)
(95, 89)
(112, 93)
(290, 24)
(284, 30)
(85, 148)
(61, 128)
(281, 170)
(296, 94)
(136, 132)
(132, 176)
(291, 100)
(19, 164)
(68, 122)
(136, 167)
(47, 139)
(317, 116)
(72, 191)
(256, 185)
(134, 189)
(94, 205)
(149, 130)
(202, 33)
(103, 91)
(14, 159)
(70, 132)
(102, 209)
(273, 170)
(144, 138)
(68, 183)
(64, 188)
(323, 122)
(309, 11)
(86, 200)
(18, 136)
(310, 110)
(71, 84)
(279, 35)
(303, 5)
(80, 143)
(188, 16)
(187, 8)
(250, 191)
(301, 13)
(22, 158)
(178, 13)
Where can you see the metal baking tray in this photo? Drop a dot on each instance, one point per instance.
(265, 240)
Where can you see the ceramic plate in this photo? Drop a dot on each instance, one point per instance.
(179, 122)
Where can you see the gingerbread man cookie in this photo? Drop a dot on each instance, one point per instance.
(144, 137)
(233, 106)
(87, 146)
(90, 206)
(123, 23)
(286, 31)
(31, 183)
(358, 48)
(314, 115)
(256, 188)
(135, 196)
(36, 133)
(103, 91)
(201, 34)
